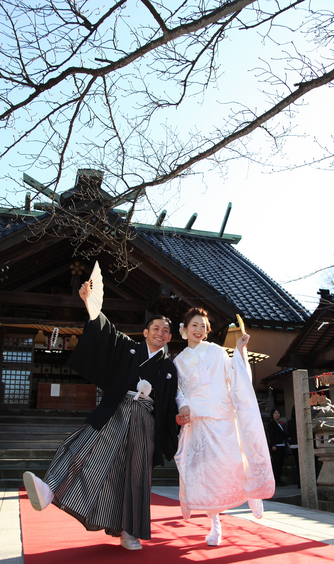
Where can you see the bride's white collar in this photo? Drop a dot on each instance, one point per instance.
(194, 354)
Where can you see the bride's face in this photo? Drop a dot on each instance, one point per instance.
(196, 331)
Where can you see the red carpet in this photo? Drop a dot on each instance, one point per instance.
(53, 537)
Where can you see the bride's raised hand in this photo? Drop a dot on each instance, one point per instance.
(243, 342)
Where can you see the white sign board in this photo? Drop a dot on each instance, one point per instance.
(55, 390)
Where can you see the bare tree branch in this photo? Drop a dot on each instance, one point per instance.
(247, 129)
(170, 35)
(309, 274)
(156, 15)
(105, 88)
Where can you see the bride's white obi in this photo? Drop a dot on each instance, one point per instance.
(223, 457)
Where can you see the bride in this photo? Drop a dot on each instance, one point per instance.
(222, 458)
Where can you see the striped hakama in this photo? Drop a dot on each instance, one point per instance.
(103, 477)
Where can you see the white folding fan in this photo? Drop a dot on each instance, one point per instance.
(94, 302)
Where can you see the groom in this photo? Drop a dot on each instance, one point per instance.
(101, 474)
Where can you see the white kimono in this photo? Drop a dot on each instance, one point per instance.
(223, 458)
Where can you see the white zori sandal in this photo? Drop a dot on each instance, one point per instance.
(215, 535)
(39, 493)
(130, 542)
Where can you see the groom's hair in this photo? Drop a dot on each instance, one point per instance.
(157, 316)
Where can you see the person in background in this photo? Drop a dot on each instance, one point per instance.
(277, 440)
(222, 458)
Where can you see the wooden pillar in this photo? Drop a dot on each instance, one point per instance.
(305, 440)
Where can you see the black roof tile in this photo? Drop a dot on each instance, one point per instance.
(222, 267)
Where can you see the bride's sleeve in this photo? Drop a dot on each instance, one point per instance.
(252, 438)
(180, 399)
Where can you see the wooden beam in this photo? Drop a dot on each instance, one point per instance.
(41, 279)
(297, 361)
(113, 287)
(110, 304)
(130, 329)
(21, 236)
(127, 328)
(182, 290)
(323, 357)
(34, 321)
(50, 300)
(162, 292)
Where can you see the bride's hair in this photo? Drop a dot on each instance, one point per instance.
(197, 311)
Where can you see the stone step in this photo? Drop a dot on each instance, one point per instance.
(11, 483)
(16, 474)
(12, 469)
(41, 435)
(37, 429)
(12, 464)
(47, 419)
(168, 464)
(27, 454)
(162, 472)
(28, 441)
(13, 477)
(7, 472)
(18, 482)
(18, 464)
(40, 432)
(33, 444)
(165, 481)
(20, 440)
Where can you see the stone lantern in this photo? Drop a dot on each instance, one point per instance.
(324, 449)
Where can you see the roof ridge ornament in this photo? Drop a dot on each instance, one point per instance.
(227, 213)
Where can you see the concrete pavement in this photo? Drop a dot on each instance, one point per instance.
(299, 521)
(10, 528)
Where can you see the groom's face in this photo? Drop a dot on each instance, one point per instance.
(157, 335)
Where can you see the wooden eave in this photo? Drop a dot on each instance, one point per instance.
(31, 298)
(314, 346)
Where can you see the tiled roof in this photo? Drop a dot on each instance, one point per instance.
(235, 278)
(278, 376)
(242, 284)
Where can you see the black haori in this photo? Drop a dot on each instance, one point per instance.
(103, 478)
